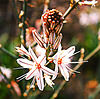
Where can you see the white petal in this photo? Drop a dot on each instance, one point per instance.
(66, 60)
(55, 57)
(56, 70)
(59, 48)
(22, 51)
(32, 83)
(48, 71)
(42, 59)
(39, 79)
(31, 73)
(64, 72)
(32, 54)
(48, 80)
(67, 53)
(25, 63)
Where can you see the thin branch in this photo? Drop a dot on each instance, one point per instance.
(7, 52)
(14, 4)
(70, 9)
(24, 19)
(58, 90)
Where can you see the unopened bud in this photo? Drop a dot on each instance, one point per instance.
(21, 14)
(20, 25)
(82, 50)
(8, 86)
(24, 94)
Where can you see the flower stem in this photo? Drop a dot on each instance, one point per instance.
(88, 56)
(70, 9)
(24, 19)
(7, 52)
(14, 4)
(58, 90)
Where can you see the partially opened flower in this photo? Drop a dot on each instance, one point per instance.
(62, 59)
(37, 67)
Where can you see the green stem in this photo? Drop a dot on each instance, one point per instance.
(23, 33)
(16, 11)
(7, 52)
(24, 19)
(58, 90)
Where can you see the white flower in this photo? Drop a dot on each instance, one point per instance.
(62, 59)
(93, 2)
(6, 72)
(37, 66)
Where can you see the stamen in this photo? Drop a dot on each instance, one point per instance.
(76, 53)
(21, 79)
(32, 83)
(18, 68)
(78, 62)
(21, 76)
(71, 70)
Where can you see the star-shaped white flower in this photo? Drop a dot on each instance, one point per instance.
(62, 59)
(36, 66)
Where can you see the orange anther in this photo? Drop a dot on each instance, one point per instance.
(8, 86)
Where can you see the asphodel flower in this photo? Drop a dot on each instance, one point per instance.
(62, 59)
(92, 3)
(36, 68)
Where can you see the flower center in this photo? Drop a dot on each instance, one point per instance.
(59, 60)
(38, 65)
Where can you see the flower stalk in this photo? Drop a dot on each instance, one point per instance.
(71, 8)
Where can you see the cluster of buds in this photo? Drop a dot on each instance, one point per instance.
(52, 21)
(52, 25)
